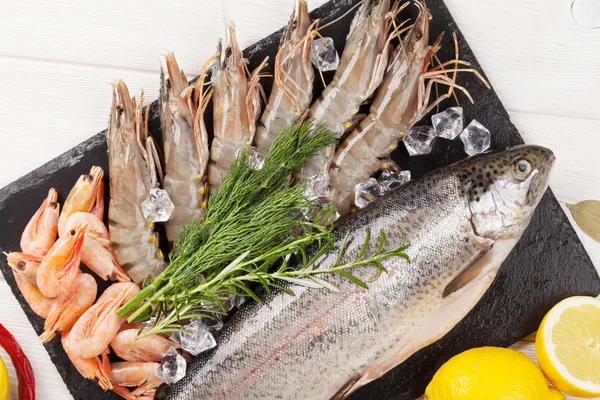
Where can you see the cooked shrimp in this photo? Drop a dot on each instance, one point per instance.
(40, 233)
(133, 172)
(25, 265)
(292, 88)
(36, 300)
(236, 104)
(57, 272)
(129, 347)
(185, 143)
(402, 99)
(94, 368)
(359, 74)
(95, 329)
(141, 375)
(87, 195)
(96, 252)
(68, 308)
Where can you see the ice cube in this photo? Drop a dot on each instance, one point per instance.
(318, 187)
(366, 192)
(213, 324)
(172, 367)
(418, 140)
(448, 124)
(195, 338)
(390, 180)
(256, 160)
(476, 138)
(158, 207)
(324, 55)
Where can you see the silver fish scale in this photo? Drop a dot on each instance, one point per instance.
(310, 345)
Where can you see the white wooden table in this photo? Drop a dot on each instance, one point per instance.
(58, 58)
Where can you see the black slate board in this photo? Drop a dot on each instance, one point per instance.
(548, 264)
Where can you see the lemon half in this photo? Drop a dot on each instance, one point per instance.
(568, 346)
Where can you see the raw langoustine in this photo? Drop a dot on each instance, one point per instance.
(133, 172)
(185, 144)
(236, 104)
(293, 80)
(401, 100)
(359, 74)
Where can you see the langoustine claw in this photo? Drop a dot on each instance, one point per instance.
(133, 172)
(87, 195)
(94, 368)
(359, 74)
(97, 253)
(25, 265)
(129, 347)
(36, 300)
(94, 330)
(236, 104)
(68, 308)
(40, 233)
(60, 266)
(293, 84)
(185, 143)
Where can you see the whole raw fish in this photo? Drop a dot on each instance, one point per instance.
(462, 222)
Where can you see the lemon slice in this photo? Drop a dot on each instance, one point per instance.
(568, 346)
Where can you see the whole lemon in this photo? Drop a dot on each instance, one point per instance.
(490, 373)
(3, 381)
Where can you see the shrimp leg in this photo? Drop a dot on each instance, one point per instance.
(94, 368)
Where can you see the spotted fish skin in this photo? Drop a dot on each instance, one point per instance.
(320, 344)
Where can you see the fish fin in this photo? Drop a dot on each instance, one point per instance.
(345, 390)
(468, 274)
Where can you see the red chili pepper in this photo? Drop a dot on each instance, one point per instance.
(21, 364)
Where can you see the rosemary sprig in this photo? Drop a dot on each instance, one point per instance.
(253, 223)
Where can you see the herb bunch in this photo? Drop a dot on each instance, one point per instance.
(253, 222)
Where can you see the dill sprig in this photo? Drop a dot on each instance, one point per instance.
(254, 223)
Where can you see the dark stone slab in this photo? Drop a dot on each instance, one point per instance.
(547, 265)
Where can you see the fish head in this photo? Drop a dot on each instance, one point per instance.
(503, 189)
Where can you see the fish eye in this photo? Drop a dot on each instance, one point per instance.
(521, 169)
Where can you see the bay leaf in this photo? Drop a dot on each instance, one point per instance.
(587, 216)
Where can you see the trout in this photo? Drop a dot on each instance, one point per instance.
(462, 221)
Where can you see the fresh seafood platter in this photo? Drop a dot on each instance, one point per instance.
(334, 212)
